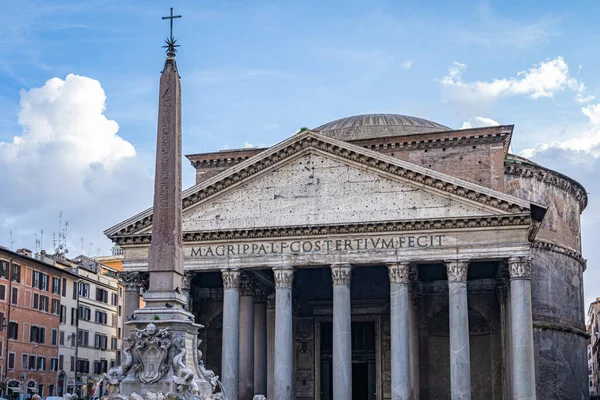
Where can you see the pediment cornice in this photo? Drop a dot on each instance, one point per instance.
(308, 140)
(477, 222)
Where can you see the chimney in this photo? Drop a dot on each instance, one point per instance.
(25, 252)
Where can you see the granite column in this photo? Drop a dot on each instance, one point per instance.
(399, 324)
(521, 326)
(284, 360)
(246, 324)
(271, 346)
(460, 358)
(231, 343)
(342, 332)
(260, 340)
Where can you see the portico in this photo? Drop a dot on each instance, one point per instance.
(386, 280)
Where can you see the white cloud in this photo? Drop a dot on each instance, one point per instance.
(541, 80)
(581, 139)
(68, 158)
(478, 122)
(248, 145)
(406, 65)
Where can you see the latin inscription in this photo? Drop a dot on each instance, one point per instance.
(314, 246)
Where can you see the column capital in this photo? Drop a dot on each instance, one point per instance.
(284, 277)
(246, 285)
(186, 283)
(131, 280)
(341, 274)
(519, 267)
(399, 272)
(271, 301)
(457, 270)
(231, 278)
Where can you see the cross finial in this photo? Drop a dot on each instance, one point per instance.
(171, 46)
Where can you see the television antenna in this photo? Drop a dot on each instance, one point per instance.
(11, 241)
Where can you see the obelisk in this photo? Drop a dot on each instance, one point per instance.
(165, 262)
(161, 356)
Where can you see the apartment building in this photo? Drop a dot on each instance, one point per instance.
(593, 329)
(30, 293)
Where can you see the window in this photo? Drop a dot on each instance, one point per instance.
(41, 363)
(112, 363)
(119, 308)
(4, 269)
(55, 306)
(44, 303)
(100, 341)
(53, 364)
(113, 299)
(25, 361)
(41, 391)
(13, 330)
(53, 340)
(35, 279)
(85, 313)
(101, 295)
(118, 333)
(84, 289)
(15, 296)
(56, 285)
(63, 314)
(72, 368)
(64, 287)
(113, 343)
(97, 368)
(2, 292)
(11, 360)
(104, 365)
(45, 280)
(73, 316)
(74, 290)
(50, 390)
(1, 350)
(61, 362)
(83, 337)
(101, 317)
(83, 366)
(32, 363)
(61, 340)
(36, 301)
(16, 273)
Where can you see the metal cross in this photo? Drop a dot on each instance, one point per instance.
(171, 18)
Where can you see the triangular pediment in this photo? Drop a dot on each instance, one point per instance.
(310, 179)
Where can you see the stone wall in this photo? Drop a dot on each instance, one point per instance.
(556, 281)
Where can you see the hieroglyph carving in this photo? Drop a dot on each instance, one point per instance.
(341, 274)
(519, 267)
(457, 270)
(231, 278)
(284, 277)
(399, 272)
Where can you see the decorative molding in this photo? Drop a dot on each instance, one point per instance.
(550, 177)
(341, 274)
(284, 277)
(399, 272)
(487, 221)
(552, 326)
(555, 248)
(457, 270)
(246, 286)
(231, 278)
(519, 267)
(355, 154)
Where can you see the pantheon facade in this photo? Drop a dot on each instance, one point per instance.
(379, 257)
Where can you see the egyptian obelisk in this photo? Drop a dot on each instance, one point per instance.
(161, 356)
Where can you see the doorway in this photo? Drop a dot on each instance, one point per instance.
(364, 371)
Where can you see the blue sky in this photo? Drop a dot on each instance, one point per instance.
(255, 72)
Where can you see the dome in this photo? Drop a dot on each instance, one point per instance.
(370, 126)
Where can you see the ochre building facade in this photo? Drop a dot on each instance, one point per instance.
(381, 256)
